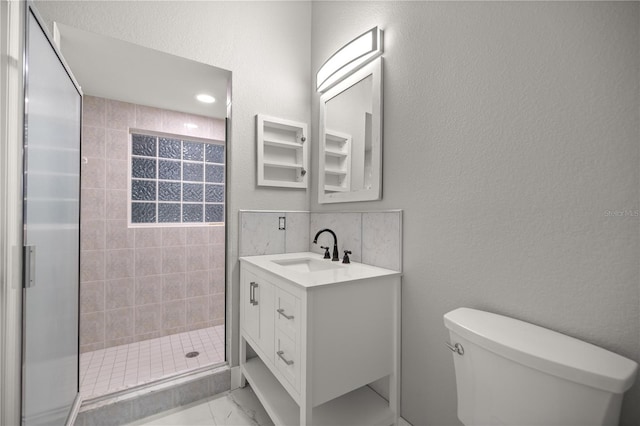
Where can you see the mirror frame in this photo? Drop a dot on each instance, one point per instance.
(373, 69)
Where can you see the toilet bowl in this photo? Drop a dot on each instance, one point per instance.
(510, 372)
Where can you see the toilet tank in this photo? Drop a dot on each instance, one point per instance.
(516, 373)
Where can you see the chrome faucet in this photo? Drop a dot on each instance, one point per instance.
(335, 256)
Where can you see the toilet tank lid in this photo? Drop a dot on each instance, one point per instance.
(543, 349)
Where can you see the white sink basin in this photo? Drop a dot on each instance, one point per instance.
(307, 264)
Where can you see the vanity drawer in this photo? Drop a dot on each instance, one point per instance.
(287, 313)
(288, 359)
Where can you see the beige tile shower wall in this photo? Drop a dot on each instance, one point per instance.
(140, 283)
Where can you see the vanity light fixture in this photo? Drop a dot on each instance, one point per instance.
(358, 52)
(204, 98)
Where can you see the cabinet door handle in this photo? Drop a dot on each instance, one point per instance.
(286, 361)
(252, 298)
(281, 312)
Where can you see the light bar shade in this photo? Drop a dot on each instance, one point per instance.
(350, 57)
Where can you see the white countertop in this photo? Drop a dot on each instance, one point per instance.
(342, 273)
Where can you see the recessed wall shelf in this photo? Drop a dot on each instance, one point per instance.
(283, 153)
(337, 161)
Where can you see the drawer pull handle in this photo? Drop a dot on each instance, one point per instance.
(286, 361)
(281, 312)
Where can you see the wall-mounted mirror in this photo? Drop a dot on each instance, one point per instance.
(350, 157)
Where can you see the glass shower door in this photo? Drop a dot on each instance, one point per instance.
(51, 233)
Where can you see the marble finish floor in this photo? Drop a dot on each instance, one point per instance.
(108, 370)
(239, 407)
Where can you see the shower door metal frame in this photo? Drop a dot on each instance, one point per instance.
(11, 106)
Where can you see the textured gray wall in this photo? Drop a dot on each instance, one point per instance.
(510, 128)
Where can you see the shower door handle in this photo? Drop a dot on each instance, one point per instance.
(29, 266)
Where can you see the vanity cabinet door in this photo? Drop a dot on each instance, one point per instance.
(257, 297)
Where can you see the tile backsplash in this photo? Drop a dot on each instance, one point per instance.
(374, 238)
(382, 239)
(348, 229)
(260, 233)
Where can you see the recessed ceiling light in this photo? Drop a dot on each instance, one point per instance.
(207, 99)
(190, 126)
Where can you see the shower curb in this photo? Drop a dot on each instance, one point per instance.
(141, 401)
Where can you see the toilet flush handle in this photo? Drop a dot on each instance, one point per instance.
(457, 348)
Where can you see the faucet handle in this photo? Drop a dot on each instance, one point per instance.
(345, 259)
(326, 252)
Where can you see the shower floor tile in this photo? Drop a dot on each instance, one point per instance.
(119, 367)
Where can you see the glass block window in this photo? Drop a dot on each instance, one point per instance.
(176, 180)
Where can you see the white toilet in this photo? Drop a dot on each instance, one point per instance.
(509, 372)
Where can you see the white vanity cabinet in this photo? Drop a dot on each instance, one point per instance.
(320, 341)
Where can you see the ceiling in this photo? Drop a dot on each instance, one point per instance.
(110, 68)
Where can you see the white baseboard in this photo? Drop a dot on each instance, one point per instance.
(235, 377)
